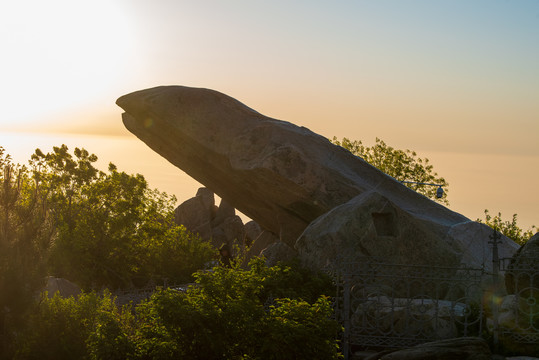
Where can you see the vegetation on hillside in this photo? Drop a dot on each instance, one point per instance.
(62, 216)
(229, 314)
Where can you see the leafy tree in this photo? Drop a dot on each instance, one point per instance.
(62, 215)
(403, 165)
(113, 231)
(26, 230)
(509, 228)
(176, 254)
(291, 322)
(70, 328)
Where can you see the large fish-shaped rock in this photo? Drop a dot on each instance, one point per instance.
(281, 175)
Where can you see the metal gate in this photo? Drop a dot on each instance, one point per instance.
(517, 320)
(383, 305)
(393, 306)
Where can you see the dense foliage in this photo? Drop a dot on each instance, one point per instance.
(26, 232)
(403, 165)
(111, 229)
(228, 314)
(509, 228)
(61, 216)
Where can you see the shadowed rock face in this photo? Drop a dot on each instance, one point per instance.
(280, 175)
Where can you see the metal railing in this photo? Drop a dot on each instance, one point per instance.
(383, 305)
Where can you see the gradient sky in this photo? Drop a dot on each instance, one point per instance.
(457, 81)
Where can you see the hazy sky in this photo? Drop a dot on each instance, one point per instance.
(458, 81)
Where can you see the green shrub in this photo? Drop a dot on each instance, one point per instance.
(226, 315)
(299, 330)
(58, 328)
(110, 337)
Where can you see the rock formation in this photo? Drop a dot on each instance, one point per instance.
(288, 178)
(372, 225)
(523, 271)
(278, 252)
(220, 225)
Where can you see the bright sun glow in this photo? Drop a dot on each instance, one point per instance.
(58, 54)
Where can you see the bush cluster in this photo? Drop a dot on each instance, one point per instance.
(227, 314)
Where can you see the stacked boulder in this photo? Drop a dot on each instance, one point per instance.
(218, 224)
(221, 225)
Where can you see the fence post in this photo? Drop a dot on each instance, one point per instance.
(496, 286)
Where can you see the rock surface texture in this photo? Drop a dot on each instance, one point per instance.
(288, 178)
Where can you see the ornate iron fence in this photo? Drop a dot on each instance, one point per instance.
(136, 295)
(382, 305)
(518, 314)
(385, 305)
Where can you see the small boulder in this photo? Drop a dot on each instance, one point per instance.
(278, 252)
(224, 212)
(207, 197)
(233, 230)
(252, 231)
(261, 242)
(195, 212)
(63, 287)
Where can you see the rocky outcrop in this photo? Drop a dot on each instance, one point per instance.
(198, 213)
(288, 178)
(278, 252)
(252, 232)
(523, 270)
(220, 225)
(373, 225)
